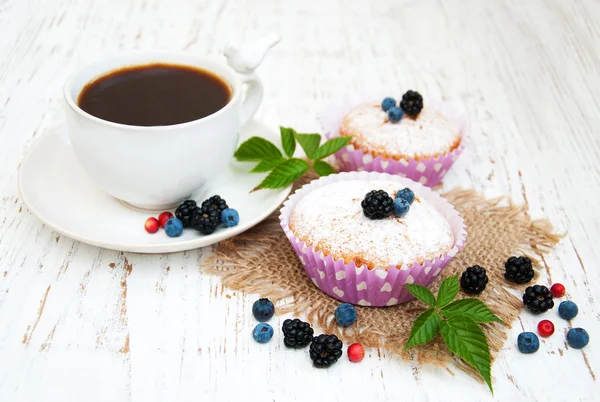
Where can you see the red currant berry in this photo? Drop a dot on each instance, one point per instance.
(545, 328)
(356, 352)
(151, 225)
(558, 290)
(163, 218)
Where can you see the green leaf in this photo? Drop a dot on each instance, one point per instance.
(473, 309)
(422, 294)
(287, 140)
(266, 165)
(256, 149)
(464, 338)
(448, 291)
(309, 143)
(331, 147)
(424, 329)
(323, 168)
(284, 174)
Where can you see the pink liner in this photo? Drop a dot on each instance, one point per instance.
(427, 171)
(379, 286)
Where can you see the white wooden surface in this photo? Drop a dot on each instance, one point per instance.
(79, 323)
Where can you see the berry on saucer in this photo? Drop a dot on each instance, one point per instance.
(163, 218)
(174, 227)
(151, 225)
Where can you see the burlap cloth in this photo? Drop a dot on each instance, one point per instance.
(261, 260)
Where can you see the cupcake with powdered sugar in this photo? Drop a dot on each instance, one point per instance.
(414, 137)
(340, 228)
(362, 236)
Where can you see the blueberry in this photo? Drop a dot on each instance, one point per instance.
(262, 333)
(577, 338)
(407, 194)
(388, 103)
(263, 310)
(401, 207)
(345, 314)
(528, 342)
(174, 227)
(230, 217)
(395, 114)
(568, 310)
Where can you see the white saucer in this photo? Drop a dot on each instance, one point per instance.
(59, 192)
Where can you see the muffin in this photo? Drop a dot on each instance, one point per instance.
(332, 220)
(430, 134)
(420, 140)
(365, 256)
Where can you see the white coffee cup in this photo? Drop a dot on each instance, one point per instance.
(157, 167)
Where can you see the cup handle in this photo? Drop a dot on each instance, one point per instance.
(253, 98)
(244, 58)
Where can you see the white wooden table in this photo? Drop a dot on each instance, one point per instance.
(79, 323)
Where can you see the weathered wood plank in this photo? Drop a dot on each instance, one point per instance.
(81, 323)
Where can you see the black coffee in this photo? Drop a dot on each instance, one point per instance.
(155, 95)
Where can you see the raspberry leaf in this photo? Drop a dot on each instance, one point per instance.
(323, 168)
(309, 143)
(424, 329)
(465, 339)
(284, 174)
(331, 147)
(448, 291)
(256, 149)
(473, 309)
(267, 164)
(284, 168)
(422, 294)
(287, 140)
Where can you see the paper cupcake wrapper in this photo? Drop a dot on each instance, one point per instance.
(360, 285)
(427, 171)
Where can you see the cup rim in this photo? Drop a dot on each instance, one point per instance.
(72, 104)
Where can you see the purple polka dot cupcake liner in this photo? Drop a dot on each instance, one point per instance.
(427, 171)
(381, 286)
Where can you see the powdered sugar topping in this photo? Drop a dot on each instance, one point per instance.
(431, 133)
(331, 219)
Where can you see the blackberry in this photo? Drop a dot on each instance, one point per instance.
(325, 350)
(474, 279)
(215, 202)
(412, 103)
(538, 299)
(184, 212)
(518, 269)
(296, 334)
(377, 205)
(205, 221)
